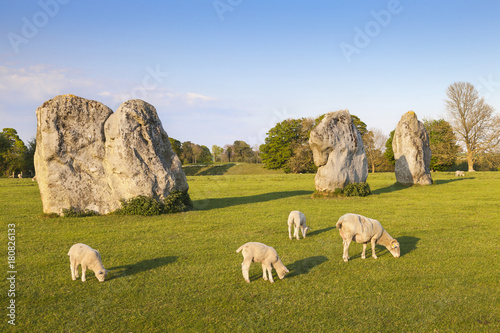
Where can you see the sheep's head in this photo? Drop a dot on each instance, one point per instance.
(101, 275)
(394, 248)
(281, 272)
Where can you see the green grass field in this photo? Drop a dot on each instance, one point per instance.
(180, 273)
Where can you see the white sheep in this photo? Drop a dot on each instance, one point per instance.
(363, 230)
(459, 173)
(258, 252)
(298, 220)
(81, 254)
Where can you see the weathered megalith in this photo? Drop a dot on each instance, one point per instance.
(89, 158)
(338, 152)
(412, 151)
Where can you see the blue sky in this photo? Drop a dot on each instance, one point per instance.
(224, 70)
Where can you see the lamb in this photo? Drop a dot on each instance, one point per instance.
(459, 173)
(363, 230)
(264, 254)
(81, 254)
(298, 220)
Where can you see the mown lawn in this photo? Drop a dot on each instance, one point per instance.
(180, 273)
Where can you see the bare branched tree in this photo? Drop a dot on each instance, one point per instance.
(474, 122)
(374, 142)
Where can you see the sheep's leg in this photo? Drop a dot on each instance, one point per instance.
(267, 266)
(347, 242)
(303, 232)
(374, 255)
(84, 269)
(264, 270)
(245, 266)
(363, 254)
(296, 233)
(289, 231)
(72, 268)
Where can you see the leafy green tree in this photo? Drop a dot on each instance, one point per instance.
(176, 146)
(29, 156)
(187, 155)
(277, 149)
(13, 158)
(389, 153)
(360, 126)
(442, 143)
(204, 155)
(242, 151)
(216, 153)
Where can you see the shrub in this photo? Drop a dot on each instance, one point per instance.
(141, 205)
(177, 201)
(357, 190)
(73, 212)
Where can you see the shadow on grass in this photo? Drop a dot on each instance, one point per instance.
(407, 244)
(142, 266)
(303, 266)
(215, 203)
(391, 188)
(446, 181)
(320, 231)
(207, 170)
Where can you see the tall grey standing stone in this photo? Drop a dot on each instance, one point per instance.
(139, 157)
(338, 152)
(89, 158)
(412, 151)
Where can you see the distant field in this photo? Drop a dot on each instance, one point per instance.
(180, 273)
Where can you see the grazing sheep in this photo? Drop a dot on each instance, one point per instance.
(264, 254)
(459, 173)
(81, 254)
(298, 220)
(363, 230)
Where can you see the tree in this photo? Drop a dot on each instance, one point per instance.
(187, 152)
(389, 153)
(242, 151)
(228, 152)
(374, 142)
(474, 122)
(216, 152)
(360, 126)
(277, 149)
(442, 142)
(176, 146)
(12, 158)
(29, 156)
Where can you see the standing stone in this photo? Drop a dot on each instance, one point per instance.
(69, 154)
(139, 158)
(412, 151)
(338, 152)
(89, 158)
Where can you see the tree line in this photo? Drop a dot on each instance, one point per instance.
(468, 139)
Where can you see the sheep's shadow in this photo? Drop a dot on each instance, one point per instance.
(320, 231)
(304, 266)
(142, 266)
(407, 244)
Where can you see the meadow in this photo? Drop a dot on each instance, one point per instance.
(180, 272)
